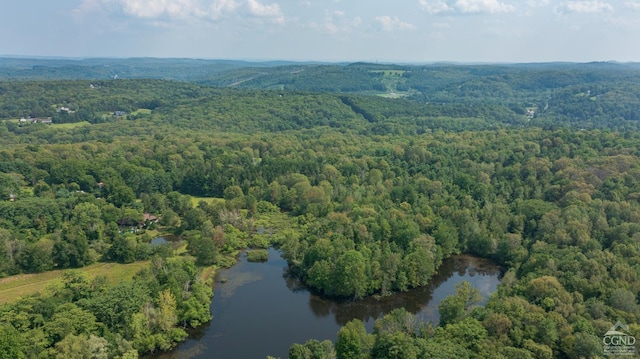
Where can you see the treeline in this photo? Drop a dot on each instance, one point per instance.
(86, 318)
(589, 106)
(308, 78)
(594, 95)
(90, 100)
(31, 69)
(556, 209)
(245, 111)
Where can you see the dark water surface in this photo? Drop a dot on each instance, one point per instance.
(259, 311)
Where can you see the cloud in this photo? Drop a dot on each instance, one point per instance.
(336, 22)
(441, 25)
(153, 9)
(389, 23)
(483, 6)
(271, 11)
(632, 5)
(435, 6)
(584, 7)
(538, 3)
(466, 6)
(156, 11)
(218, 8)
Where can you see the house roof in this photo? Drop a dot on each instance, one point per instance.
(149, 217)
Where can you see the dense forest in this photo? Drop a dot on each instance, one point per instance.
(541, 175)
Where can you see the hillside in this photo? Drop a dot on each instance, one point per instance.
(589, 95)
(367, 196)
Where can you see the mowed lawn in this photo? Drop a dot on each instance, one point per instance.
(14, 287)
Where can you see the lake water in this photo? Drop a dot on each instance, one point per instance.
(259, 311)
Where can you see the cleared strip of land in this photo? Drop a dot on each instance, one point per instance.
(14, 287)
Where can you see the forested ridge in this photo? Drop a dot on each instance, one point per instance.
(376, 192)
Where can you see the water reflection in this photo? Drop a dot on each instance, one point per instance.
(482, 273)
(261, 311)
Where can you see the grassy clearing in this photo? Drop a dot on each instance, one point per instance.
(71, 125)
(209, 200)
(208, 272)
(182, 250)
(141, 111)
(60, 125)
(392, 95)
(277, 221)
(14, 287)
(391, 79)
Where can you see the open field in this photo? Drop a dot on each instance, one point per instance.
(59, 125)
(392, 95)
(209, 200)
(141, 111)
(15, 287)
(71, 125)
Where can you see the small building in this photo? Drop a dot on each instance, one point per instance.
(147, 218)
(12, 197)
(119, 113)
(35, 120)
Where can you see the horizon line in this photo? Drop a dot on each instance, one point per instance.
(334, 61)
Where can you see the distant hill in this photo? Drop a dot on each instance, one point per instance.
(584, 95)
(13, 68)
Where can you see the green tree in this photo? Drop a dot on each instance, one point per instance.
(120, 195)
(623, 299)
(395, 345)
(35, 257)
(167, 317)
(204, 249)
(193, 219)
(116, 306)
(195, 310)
(122, 250)
(10, 342)
(70, 319)
(312, 349)
(353, 341)
(350, 277)
(72, 249)
(468, 333)
(88, 217)
(232, 192)
(82, 347)
(456, 307)
(299, 351)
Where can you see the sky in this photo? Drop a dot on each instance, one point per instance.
(400, 31)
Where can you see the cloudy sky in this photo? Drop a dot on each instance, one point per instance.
(328, 30)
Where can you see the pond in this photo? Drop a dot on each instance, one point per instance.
(166, 239)
(260, 311)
